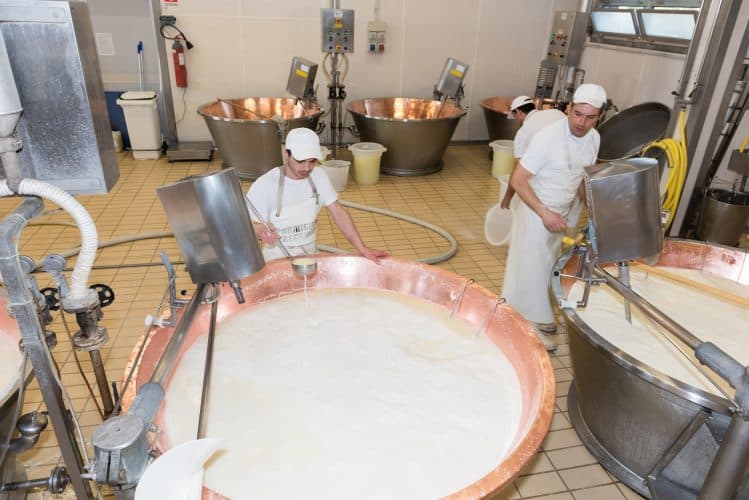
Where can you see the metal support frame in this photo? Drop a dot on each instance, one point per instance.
(22, 308)
(166, 101)
(720, 70)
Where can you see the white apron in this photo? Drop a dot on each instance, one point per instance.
(297, 225)
(533, 249)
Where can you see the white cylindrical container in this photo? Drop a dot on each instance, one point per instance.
(503, 158)
(337, 171)
(142, 120)
(498, 220)
(367, 157)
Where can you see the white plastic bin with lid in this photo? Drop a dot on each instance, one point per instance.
(367, 157)
(337, 171)
(503, 157)
(498, 221)
(142, 120)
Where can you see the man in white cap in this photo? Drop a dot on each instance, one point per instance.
(532, 120)
(548, 179)
(290, 197)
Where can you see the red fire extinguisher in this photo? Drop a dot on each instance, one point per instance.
(178, 58)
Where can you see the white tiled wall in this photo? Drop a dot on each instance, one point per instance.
(244, 48)
(632, 76)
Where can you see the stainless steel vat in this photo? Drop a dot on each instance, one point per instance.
(64, 127)
(627, 132)
(495, 115)
(247, 133)
(723, 217)
(415, 132)
(653, 432)
(505, 327)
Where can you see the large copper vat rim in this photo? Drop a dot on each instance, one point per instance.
(531, 434)
(455, 116)
(11, 330)
(308, 115)
(671, 248)
(494, 103)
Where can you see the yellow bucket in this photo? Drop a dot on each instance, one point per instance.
(503, 158)
(367, 157)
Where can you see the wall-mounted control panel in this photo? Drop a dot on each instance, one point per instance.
(376, 37)
(567, 37)
(337, 31)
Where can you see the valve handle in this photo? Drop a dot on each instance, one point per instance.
(105, 293)
(52, 297)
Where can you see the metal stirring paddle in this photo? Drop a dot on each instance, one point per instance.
(303, 266)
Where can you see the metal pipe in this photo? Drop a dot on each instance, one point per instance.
(165, 101)
(167, 360)
(102, 382)
(624, 279)
(207, 370)
(730, 462)
(24, 311)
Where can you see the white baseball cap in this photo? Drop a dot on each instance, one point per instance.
(303, 144)
(590, 93)
(518, 102)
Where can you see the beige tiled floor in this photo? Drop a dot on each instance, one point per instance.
(455, 198)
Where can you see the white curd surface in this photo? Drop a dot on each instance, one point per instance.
(705, 315)
(357, 394)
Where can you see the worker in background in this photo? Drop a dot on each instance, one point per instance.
(531, 121)
(290, 197)
(548, 179)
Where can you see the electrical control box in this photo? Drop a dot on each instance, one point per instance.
(337, 31)
(376, 37)
(567, 37)
(301, 78)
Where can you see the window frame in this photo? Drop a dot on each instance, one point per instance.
(640, 40)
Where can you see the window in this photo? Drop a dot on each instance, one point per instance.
(650, 24)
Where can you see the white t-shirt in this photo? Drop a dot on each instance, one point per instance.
(264, 191)
(535, 121)
(556, 158)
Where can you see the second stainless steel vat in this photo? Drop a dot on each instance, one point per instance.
(415, 132)
(652, 431)
(247, 131)
(495, 114)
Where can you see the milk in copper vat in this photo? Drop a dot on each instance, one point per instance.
(707, 316)
(367, 393)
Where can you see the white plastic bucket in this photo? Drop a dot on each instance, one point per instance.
(142, 120)
(503, 158)
(337, 171)
(367, 157)
(498, 221)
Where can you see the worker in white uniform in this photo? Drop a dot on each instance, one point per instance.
(548, 178)
(289, 198)
(532, 120)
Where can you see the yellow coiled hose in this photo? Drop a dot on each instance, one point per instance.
(676, 155)
(744, 144)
